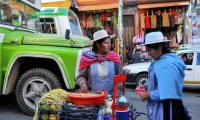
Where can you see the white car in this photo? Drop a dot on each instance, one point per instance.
(139, 71)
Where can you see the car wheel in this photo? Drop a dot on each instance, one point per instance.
(31, 87)
(141, 79)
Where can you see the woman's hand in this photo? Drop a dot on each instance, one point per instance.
(140, 89)
(84, 87)
(144, 95)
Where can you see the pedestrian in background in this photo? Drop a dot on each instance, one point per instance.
(185, 59)
(165, 81)
(129, 55)
(136, 57)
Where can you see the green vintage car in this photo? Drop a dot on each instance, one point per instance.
(33, 63)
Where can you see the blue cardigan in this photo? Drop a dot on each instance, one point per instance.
(169, 70)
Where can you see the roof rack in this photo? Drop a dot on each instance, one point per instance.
(189, 47)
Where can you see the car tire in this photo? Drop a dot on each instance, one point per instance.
(31, 87)
(141, 79)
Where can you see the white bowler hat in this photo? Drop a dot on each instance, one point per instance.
(154, 37)
(102, 34)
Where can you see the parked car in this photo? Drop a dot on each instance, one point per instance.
(139, 71)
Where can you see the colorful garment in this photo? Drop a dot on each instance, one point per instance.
(159, 21)
(163, 105)
(176, 17)
(88, 59)
(92, 75)
(84, 22)
(140, 37)
(171, 20)
(103, 83)
(98, 22)
(179, 35)
(165, 22)
(142, 21)
(147, 22)
(90, 22)
(153, 21)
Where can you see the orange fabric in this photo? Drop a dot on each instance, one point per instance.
(153, 21)
(165, 19)
(142, 21)
(90, 22)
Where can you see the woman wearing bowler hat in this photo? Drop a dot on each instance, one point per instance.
(165, 81)
(98, 67)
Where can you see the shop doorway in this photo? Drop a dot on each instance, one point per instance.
(128, 32)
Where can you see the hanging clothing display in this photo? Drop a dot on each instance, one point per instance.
(142, 21)
(179, 35)
(98, 22)
(107, 28)
(171, 20)
(104, 16)
(84, 21)
(165, 17)
(159, 21)
(93, 21)
(153, 21)
(90, 22)
(180, 17)
(147, 21)
(176, 17)
(140, 37)
(114, 19)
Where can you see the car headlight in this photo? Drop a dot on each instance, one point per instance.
(126, 70)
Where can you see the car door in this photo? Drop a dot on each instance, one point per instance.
(197, 68)
(189, 72)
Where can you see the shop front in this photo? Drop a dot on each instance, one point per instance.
(169, 17)
(98, 15)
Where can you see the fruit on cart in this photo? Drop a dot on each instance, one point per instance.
(53, 100)
(53, 108)
(44, 117)
(52, 117)
(44, 108)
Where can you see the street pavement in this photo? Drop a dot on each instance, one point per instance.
(9, 109)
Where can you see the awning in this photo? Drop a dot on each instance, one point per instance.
(158, 5)
(85, 5)
(97, 7)
(56, 3)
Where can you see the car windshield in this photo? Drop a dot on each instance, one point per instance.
(74, 23)
(18, 14)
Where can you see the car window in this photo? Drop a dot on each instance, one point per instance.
(187, 58)
(198, 58)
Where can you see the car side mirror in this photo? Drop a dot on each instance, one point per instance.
(67, 32)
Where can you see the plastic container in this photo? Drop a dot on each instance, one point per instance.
(88, 100)
(107, 117)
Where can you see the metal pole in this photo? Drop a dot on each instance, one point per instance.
(120, 29)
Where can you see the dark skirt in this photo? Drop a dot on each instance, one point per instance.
(178, 110)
